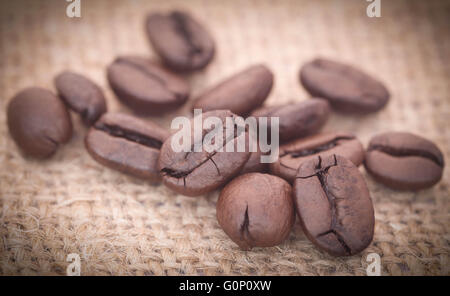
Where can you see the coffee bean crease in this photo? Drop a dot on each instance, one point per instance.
(321, 175)
(182, 174)
(182, 28)
(306, 152)
(166, 171)
(120, 132)
(244, 230)
(406, 152)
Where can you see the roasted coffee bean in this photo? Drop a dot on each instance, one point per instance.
(297, 120)
(240, 93)
(127, 144)
(334, 205)
(293, 154)
(256, 210)
(347, 88)
(145, 87)
(81, 95)
(196, 173)
(181, 41)
(404, 161)
(38, 121)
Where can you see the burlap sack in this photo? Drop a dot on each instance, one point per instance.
(123, 226)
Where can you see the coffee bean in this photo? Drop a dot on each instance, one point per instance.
(256, 210)
(127, 144)
(145, 87)
(404, 161)
(334, 205)
(182, 42)
(297, 120)
(38, 121)
(293, 154)
(240, 93)
(81, 95)
(197, 173)
(348, 89)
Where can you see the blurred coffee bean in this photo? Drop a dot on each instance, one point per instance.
(240, 93)
(38, 121)
(298, 119)
(146, 87)
(127, 144)
(404, 161)
(81, 95)
(181, 42)
(346, 88)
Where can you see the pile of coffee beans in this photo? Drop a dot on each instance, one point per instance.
(315, 177)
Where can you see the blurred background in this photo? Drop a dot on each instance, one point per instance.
(121, 225)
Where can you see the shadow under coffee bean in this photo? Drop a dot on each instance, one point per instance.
(404, 161)
(127, 144)
(334, 205)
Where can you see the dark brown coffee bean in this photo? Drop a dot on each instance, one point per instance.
(197, 173)
(81, 95)
(256, 210)
(293, 154)
(38, 121)
(241, 93)
(404, 161)
(145, 87)
(127, 144)
(297, 120)
(334, 205)
(181, 41)
(347, 88)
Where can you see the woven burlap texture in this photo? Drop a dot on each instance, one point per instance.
(124, 226)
